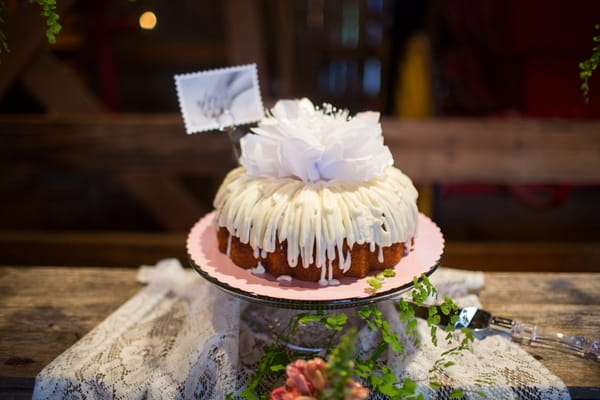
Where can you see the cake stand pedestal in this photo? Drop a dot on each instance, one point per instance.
(274, 303)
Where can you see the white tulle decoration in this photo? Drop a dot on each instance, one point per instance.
(301, 141)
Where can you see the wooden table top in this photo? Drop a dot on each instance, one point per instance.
(44, 310)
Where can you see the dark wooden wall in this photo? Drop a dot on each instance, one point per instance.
(171, 177)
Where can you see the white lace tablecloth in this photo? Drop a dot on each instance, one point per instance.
(179, 338)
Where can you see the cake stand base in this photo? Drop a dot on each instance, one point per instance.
(270, 323)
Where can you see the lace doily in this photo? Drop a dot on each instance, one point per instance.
(180, 338)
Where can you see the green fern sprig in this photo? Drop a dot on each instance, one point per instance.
(588, 66)
(51, 16)
(53, 27)
(3, 41)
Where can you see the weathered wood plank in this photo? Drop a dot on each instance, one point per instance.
(566, 302)
(111, 143)
(496, 151)
(44, 310)
(464, 150)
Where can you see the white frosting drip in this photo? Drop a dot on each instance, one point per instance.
(258, 270)
(316, 218)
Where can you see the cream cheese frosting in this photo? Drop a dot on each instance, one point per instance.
(316, 218)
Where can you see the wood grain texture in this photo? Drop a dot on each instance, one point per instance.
(109, 143)
(496, 150)
(566, 302)
(440, 150)
(44, 310)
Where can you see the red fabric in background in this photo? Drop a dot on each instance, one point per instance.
(518, 57)
(553, 37)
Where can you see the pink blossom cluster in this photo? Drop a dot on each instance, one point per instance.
(307, 380)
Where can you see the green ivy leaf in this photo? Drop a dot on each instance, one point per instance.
(389, 273)
(588, 66)
(374, 283)
(336, 322)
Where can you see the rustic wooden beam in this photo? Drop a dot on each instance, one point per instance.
(429, 151)
(57, 88)
(150, 143)
(243, 30)
(284, 43)
(496, 150)
(165, 197)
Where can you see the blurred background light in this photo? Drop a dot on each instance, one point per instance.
(148, 20)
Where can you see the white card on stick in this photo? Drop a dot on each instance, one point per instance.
(219, 98)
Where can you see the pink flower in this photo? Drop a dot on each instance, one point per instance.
(307, 380)
(297, 379)
(285, 393)
(356, 392)
(278, 393)
(315, 373)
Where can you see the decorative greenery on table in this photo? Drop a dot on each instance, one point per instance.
(48, 12)
(343, 365)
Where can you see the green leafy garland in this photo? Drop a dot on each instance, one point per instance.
(342, 358)
(588, 66)
(48, 12)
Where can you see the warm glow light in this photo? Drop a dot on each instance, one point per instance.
(148, 20)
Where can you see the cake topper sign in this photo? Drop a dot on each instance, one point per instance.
(219, 98)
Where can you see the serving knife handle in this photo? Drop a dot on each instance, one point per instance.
(533, 334)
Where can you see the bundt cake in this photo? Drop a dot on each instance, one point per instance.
(316, 197)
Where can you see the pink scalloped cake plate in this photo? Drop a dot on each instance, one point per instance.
(217, 267)
(204, 253)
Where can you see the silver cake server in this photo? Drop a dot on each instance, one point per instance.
(482, 321)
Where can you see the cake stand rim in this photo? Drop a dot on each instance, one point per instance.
(304, 304)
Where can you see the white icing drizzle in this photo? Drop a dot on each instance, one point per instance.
(258, 270)
(284, 278)
(316, 218)
(228, 252)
